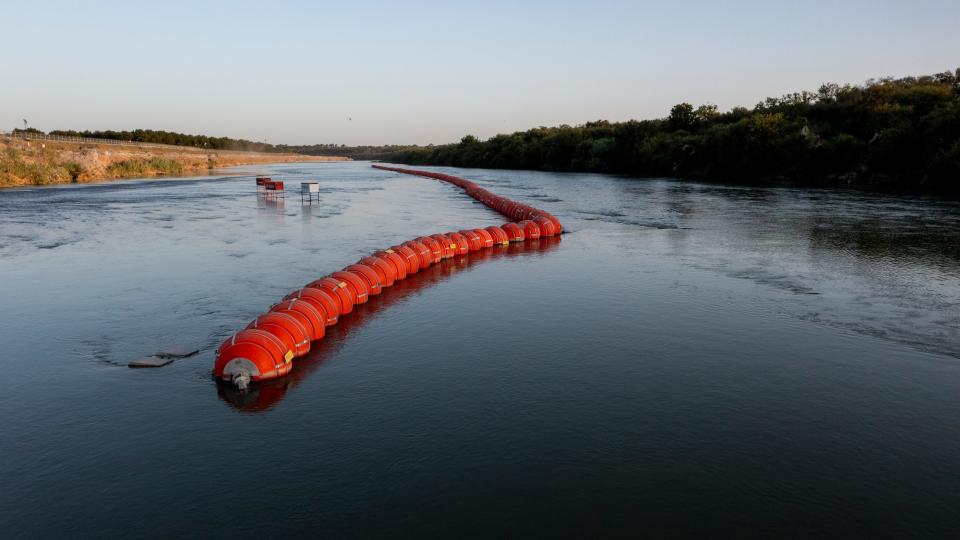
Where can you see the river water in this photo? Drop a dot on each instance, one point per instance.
(691, 359)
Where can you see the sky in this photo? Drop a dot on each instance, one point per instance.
(409, 72)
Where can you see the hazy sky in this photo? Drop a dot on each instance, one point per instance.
(421, 72)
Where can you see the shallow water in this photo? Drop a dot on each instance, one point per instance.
(691, 359)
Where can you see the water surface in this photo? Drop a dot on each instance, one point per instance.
(691, 359)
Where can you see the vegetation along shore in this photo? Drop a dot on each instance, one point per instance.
(888, 133)
(39, 162)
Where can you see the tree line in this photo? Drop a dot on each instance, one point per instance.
(902, 132)
(163, 137)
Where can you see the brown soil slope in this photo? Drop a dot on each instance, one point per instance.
(53, 162)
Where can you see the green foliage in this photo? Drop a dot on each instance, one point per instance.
(170, 137)
(897, 132)
(74, 169)
(13, 167)
(133, 168)
(353, 152)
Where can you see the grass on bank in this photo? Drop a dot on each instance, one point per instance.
(14, 169)
(144, 167)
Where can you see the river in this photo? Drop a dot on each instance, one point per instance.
(691, 359)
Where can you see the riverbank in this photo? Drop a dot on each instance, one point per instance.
(24, 162)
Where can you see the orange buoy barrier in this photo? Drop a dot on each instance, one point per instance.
(266, 348)
(266, 394)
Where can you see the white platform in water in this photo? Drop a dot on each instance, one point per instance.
(150, 361)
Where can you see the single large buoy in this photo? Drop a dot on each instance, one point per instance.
(386, 270)
(251, 355)
(323, 300)
(307, 312)
(486, 239)
(546, 226)
(282, 323)
(473, 239)
(345, 297)
(514, 232)
(499, 236)
(447, 246)
(436, 252)
(459, 243)
(410, 256)
(531, 231)
(369, 275)
(399, 265)
(422, 251)
(356, 284)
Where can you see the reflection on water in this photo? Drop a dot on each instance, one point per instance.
(691, 360)
(264, 395)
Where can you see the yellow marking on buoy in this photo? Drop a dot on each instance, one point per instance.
(288, 357)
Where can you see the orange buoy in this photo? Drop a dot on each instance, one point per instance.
(386, 270)
(251, 355)
(473, 239)
(282, 323)
(369, 275)
(396, 260)
(486, 239)
(514, 232)
(500, 238)
(409, 255)
(309, 315)
(436, 252)
(461, 246)
(286, 338)
(339, 288)
(422, 251)
(546, 226)
(323, 300)
(531, 231)
(557, 227)
(446, 245)
(356, 283)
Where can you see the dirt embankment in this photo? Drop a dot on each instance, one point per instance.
(41, 162)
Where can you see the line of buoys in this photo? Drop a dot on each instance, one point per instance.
(265, 349)
(265, 395)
